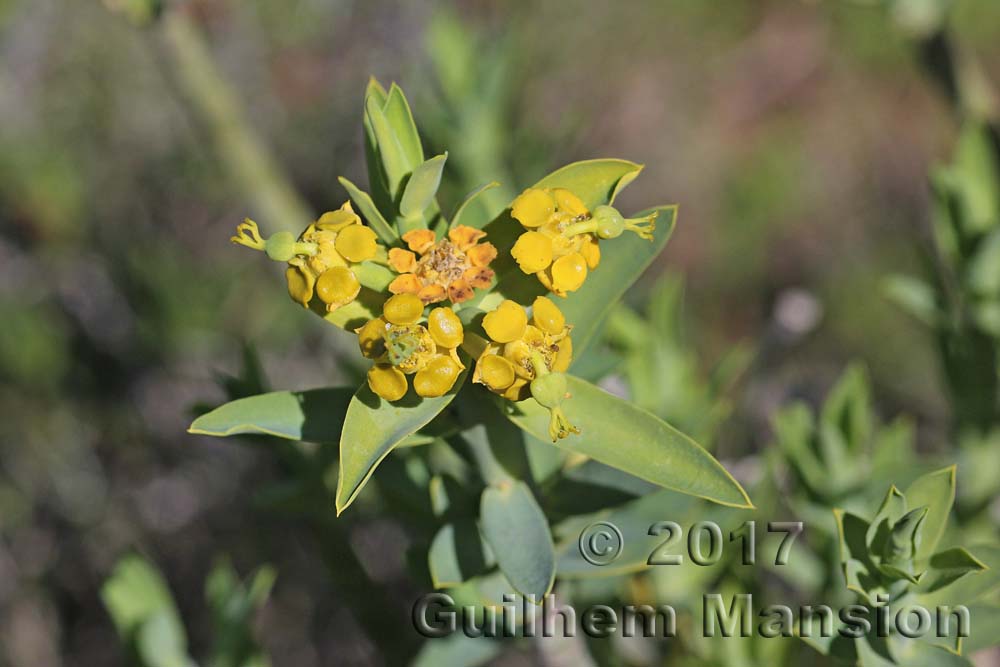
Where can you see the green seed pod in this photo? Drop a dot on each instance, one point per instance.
(610, 223)
(280, 247)
(549, 389)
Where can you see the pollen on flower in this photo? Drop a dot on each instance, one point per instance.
(403, 343)
(449, 269)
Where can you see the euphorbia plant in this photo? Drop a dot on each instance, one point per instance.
(496, 314)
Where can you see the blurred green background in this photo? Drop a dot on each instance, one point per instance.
(795, 136)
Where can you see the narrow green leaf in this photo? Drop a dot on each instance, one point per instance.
(458, 218)
(397, 112)
(161, 641)
(394, 161)
(515, 527)
(621, 435)
(366, 207)
(316, 415)
(977, 175)
(134, 592)
(984, 267)
(421, 188)
(373, 162)
(623, 260)
(373, 427)
(936, 491)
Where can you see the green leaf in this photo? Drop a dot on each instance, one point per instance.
(457, 650)
(621, 435)
(977, 175)
(373, 162)
(161, 641)
(134, 592)
(366, 306)
(633, 520)
(515, 527)
(458, 553)
(370, 212)
(393, 159)
(420, 189)
(936, 491)
(595, 182)
(316, 415)
(459, 215)
(145, 616)
(984, 266)
(373, 427)
(400, 118)
(623, 260)
(976, 586)
(949, 566)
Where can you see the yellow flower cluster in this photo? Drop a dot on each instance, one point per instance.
(527, 353)
(401, 345)
(528, 357)
(447, 269)
(561, 243)
(321, 261)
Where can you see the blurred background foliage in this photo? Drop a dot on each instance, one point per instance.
(797, 138)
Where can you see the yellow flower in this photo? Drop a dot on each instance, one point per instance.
(528, 358)
(401, 345)
(447, 269)
(561, 242)
(320, 262)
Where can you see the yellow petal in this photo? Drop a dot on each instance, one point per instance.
(300, 284)
(478, 277)
(465, 237)
(437, 377)
(405, 284)
(403, 309)
(432, 293)
(564, 356)
(517, 391)
(333, 221)
(459, 291)
(482, 254)
(356, 243)
(532, 251)
(371, 338)
(508, 322)
(569, 272)
(568, 202)
(402, 261)
(546, 316)
(495, 372)
(533, 207)
(337, 286)
(387, 381)
(445, 327)
(591, 251)
(419, 240)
